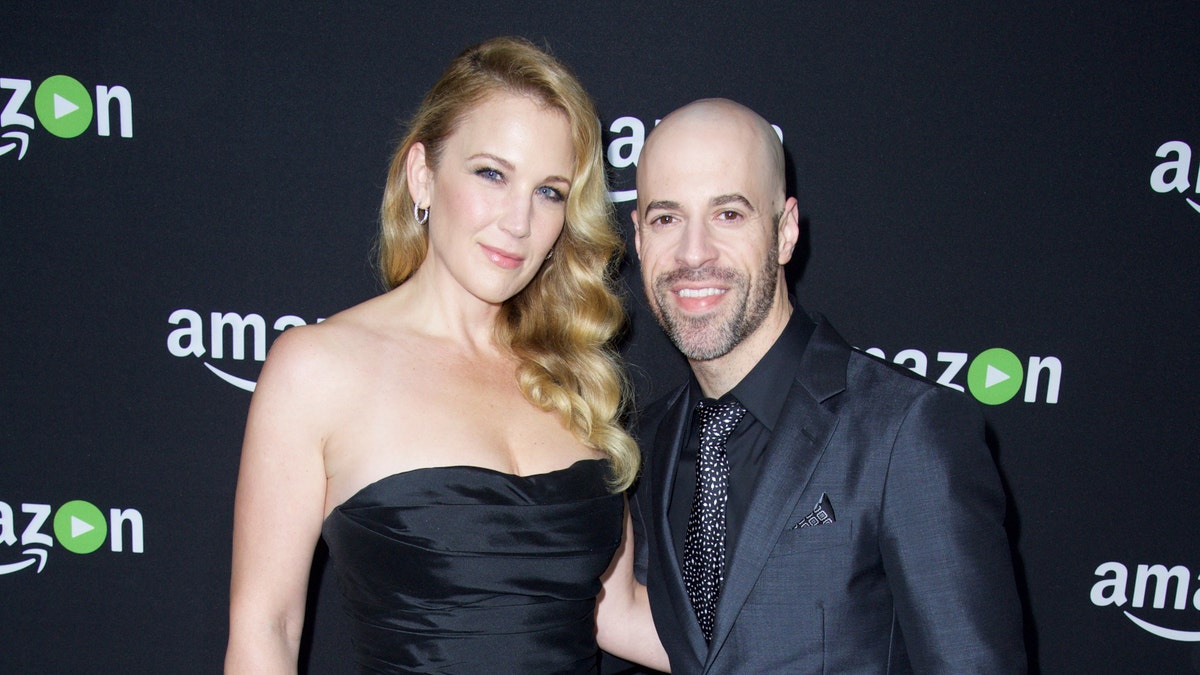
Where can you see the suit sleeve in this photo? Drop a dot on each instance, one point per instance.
(640, 546)
(639, 500)
(944, 548)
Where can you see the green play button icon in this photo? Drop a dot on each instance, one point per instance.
(995, 376)
(63, 106)
(80, 527)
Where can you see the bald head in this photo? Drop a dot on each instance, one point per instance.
(719, 124)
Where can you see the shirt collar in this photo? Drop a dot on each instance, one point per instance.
(763, 390)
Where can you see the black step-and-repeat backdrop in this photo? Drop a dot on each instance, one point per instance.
(1003, 197)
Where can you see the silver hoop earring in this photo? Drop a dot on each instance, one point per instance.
(420, 214)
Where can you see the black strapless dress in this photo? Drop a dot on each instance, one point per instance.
(468, 570)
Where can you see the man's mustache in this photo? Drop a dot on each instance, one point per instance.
(688, 274)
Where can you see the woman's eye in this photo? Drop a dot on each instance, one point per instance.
(489, 174)
(551, 193)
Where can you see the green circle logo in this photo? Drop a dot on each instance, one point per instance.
(995, 376)
(63, 106)
(80, 527)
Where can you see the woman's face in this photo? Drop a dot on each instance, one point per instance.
(497, 198)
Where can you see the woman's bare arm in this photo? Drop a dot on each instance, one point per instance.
(624, 625)
(278, 511)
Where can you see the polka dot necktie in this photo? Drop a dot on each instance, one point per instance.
(704, 543)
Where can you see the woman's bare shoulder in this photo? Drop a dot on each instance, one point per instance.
(330, 353)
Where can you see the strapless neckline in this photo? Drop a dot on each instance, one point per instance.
(465, 470)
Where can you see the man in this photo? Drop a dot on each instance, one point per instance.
(804, 507)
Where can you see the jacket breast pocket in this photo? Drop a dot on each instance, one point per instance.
(807, 566)
(811, 540)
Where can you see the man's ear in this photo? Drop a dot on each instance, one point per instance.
(418, 173)
(637, 233)
(789, 229)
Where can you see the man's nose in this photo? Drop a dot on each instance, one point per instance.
(696, 247)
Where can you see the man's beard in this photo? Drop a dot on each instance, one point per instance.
(716, 334)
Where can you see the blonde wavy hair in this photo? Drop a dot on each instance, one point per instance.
(560, 327)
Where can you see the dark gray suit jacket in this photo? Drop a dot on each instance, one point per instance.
(914, 575)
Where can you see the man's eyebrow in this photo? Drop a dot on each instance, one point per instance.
(663, 204)
(734, 198)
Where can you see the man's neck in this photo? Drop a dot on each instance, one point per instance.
(720, 375)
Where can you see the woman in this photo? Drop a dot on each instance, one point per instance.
(457, 440)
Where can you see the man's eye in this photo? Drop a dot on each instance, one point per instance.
(663, 220)
(730, 215)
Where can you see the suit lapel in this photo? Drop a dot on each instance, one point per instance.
(797, 443)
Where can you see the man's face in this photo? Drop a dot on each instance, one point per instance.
(708, 235)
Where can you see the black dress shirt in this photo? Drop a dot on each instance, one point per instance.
(761, 392)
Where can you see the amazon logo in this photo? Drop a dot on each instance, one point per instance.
(1170, 595)
(993, 376)
(63, 107)
(77, 526)
(1174, 174)
(225, 341)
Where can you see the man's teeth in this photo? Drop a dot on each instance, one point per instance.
(699, 292)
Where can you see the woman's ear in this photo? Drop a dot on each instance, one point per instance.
(418, 173)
